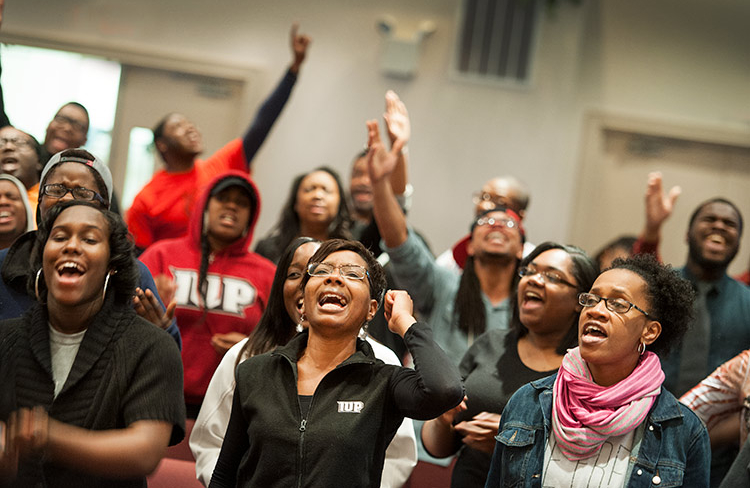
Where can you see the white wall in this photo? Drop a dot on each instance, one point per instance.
(686, 60)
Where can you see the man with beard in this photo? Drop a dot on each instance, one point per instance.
(721, 317)
(722, 310)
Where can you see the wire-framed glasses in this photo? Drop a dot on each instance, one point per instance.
(348, 271)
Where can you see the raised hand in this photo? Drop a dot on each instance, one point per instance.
(299, 43)
(147, 306)
(659, 205)
(396, 118)
(380, 163)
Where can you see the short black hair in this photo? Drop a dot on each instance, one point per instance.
(122, 261)
(376, 275)
(623, 242)
(79, 105)
(700, 207)
(670, 297)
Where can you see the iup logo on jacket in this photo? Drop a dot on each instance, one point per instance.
(351, 406)
(224, 293)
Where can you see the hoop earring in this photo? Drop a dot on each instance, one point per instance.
(299, 324)
(106, 283)
(36, 286)
(641, 348)
(363, 331)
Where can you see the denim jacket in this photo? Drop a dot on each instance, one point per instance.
(674, 449)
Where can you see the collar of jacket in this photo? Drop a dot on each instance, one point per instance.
(296, 347)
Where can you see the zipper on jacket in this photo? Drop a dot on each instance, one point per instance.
(302, 428)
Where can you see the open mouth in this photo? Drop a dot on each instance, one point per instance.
(332, 302)
(593, 331)
(9, 165)
(531, 299)
(6, 217)
(70, 272)
(496, 236)
(228, 218)
(716, 240)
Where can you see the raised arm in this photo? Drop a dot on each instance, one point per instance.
(271, 108)
(399, 129)
(386, 210)
(659, 206)
(434, 385)
(3, 116)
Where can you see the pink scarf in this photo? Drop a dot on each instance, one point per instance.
(585, 414)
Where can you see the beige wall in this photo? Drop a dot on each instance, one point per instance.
(681, 60)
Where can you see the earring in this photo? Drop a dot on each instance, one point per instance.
(36, 285)
(363, 331)
(641, 348)
(106, 283)
(299, 324)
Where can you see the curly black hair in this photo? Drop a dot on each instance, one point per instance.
(122, 261)
(669, 295)
(376, 274)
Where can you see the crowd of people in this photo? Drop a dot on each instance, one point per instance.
(531, 365)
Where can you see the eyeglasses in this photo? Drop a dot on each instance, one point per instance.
(503, 222)
(551, 277)
(79, 193)
(19, 142)
(64, 119)
(348, 271)
(617, 305)
(484, 196)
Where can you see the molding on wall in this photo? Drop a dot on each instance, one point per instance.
(134, 54)
(724, 133)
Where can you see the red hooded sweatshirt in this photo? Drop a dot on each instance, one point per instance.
(239, 284)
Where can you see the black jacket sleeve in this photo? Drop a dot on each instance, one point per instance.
(434, 385)
(267, 114)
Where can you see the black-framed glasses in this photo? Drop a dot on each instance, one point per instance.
(19, 142)
(503, 222)
(551, 277)
(76, 125)
(348, 271)
(617, 305)
(79, 193)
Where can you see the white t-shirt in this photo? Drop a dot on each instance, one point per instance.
(606, 469)
(63, 350)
